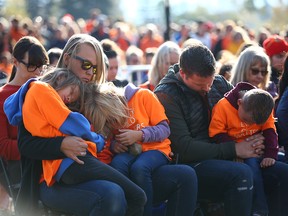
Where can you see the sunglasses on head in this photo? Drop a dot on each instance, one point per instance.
(256, 71)
(86, 65)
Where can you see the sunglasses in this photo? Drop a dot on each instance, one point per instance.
(86, 65)
(32, 68)
(256, 71)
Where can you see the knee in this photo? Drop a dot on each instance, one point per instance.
(114, 201)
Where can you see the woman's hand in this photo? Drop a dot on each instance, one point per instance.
(73, 146)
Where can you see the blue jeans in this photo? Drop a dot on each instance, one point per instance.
(93, 169)
(92, 198)
(139, 169)
(259, 197)
(176, 184)
(275, 180)
(226, 181)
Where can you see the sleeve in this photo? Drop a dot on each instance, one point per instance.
(218, 125)
(156, 133)
(282, 115)
(271, 139)
(188, 148)
(8, 145)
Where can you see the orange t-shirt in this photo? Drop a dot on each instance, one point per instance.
(43, 114)
(146, 110)
(225, 120)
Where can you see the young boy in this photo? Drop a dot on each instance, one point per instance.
(244, 111)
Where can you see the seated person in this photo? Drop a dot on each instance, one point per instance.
(244, 111)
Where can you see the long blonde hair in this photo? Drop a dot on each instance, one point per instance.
(72, 46)
(105, 107)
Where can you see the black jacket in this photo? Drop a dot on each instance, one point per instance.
(189, 116)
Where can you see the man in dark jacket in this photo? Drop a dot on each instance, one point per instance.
(188, 92)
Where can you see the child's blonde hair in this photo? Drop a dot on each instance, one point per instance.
(105, 107)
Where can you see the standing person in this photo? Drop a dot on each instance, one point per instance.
(245, 111)
(276, 48)
(57, 89)
(28, 56)
(166, 55)
(141, 151)
(169, 182)
(188, 93)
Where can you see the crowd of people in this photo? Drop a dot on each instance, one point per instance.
(206, 126)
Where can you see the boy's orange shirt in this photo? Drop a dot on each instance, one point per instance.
(225, 120)
(43, 114)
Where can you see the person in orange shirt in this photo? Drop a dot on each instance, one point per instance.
(245, 111)
(45, 114)
(150, 38)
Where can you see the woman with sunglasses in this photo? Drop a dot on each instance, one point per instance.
(252, 66)
(29, 56)
(84, 57)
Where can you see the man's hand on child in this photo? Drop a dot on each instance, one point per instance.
(267, 162)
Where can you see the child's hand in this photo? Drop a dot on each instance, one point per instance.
(266, 162)
(128, 137)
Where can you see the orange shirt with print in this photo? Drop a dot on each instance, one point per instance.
(146, 110)
(225, 120)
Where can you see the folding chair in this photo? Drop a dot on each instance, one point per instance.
(9, 184)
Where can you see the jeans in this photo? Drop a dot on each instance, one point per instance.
(259, 197)
(139, 169)
(177, 185)
(226, 181)
(92, 198)
(93, 169)
(276, 187)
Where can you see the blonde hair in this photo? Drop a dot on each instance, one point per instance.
(161, 57)
(105, 107)
(72, 46)
(249, 57)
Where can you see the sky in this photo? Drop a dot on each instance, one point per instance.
(137, 9)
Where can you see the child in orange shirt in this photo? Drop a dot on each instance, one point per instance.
(245, 111)
(45, 114)
(146, 132)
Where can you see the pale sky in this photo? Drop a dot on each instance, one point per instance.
(134, 11)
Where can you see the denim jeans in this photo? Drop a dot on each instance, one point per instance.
(91, 198)
(93, 169)
(177, 185)
(139, 169)
(259, 198)
(226, 181)
(276, 187)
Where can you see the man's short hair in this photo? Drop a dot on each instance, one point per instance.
(259, 103)
(197, 59)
